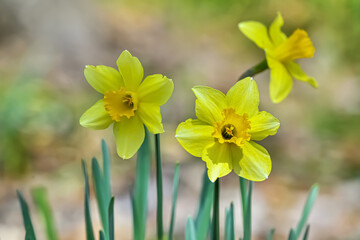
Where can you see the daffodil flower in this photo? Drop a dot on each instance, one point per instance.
(281, 51)
(128, 102)
(224, 132)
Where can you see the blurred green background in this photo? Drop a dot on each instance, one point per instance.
(44, 46)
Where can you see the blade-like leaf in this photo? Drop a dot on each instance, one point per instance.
(101, 196)
(42, 203)
(29, 230)
(106, 168)
(88, 223)
(307, 209)
(190, 231)
(206, 184)
(203, 220)
(111, 220)
(101, 235)
(174, 198)
(141, 189)
(292, 235)
(306, 234)
(135, 215)
(229, 223)
(270, 235)
(243, 190)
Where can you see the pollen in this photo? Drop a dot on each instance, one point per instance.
(233, 128)
(120, 103)
(298, 45)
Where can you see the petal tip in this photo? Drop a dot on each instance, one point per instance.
(276, 100)
(241, 26)
(89, 67)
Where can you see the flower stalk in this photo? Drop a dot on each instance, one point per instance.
(159, 188)
(260, 67)
(215, 226)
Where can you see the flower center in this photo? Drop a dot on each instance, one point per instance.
(228, 131)
(120, 103)
(298, 45)
(233, 128)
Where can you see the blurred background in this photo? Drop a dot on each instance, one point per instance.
(44, 46)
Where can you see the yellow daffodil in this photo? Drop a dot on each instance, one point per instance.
(224, 132)
(281, 51)
(127, 102)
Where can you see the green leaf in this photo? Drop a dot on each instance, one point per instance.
(247, 224)
(174, 198)
(203, 219)
(29, 230)
(229, 223)
(111, 219)
(106, 168)
(136, 222)
(88, 223)
(306, 234)
(190, 231)
(139, 195)
(101, 196)
(101, 235)
(270, 235)
(307, 209)
(292, 235)
(42, 203)
(206, 184)
(244, 197)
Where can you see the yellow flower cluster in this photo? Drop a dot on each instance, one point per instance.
(227, 126)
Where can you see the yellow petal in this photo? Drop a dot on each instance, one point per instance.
(280, 81)
(244, 97)
(209, 104)
(150, 115)
(131, 70)
(194, 136)
(155, 89)
(103, 78)
(255, 164)
(256, 32)
(219, 159)
(96, 117)
(277, 36)
(262, 125)
(296, 71)
(129, 135)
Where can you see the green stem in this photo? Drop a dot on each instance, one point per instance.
(262, 66)
(215, 227)
(247, 226)
(159, 188)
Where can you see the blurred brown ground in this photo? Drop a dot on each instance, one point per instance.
(44, 46)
